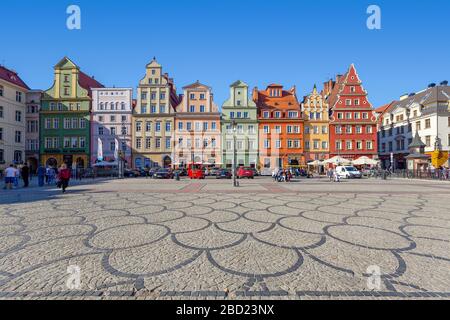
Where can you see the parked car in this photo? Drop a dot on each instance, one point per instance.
(131, 173)
(153, 170)
(224, 174)
(214, 171)
(163, 174)
(348, 172)
(181, 172)
(255, 172)
(245, 172)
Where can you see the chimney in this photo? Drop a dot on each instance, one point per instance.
(444, 83)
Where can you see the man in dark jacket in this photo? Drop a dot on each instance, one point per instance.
(25, 175)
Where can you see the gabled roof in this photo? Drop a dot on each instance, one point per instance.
(88, 82)
(153, 64)
(195, 85)
(384, 108)
(12, 77)
(239, 83)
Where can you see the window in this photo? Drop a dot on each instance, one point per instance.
(18, 156)
(202, 109)
(349, 145)
(144, 96)
(239, 115)
(113, 118)
(427, 123)
(359, 145)
(278, 114)
(138, 143)
(266, 129)
(143, 109)
(158, 127)
(1, 113)
(352, 89)
(278, 144)
(356, 102)
(324, 145)
(162, 108)
(168, 126)
(213, 143)
(192, 109)
(307, 145)
(188, 126)
(324, 130)
(231, 115)
(348, 115)
(66, 142)
(148, 143)
(307, 129)
(18, 96)
(293, 114)
(100, 131)
(124, 130)
(206, 142)
(202, 96)
(369, 145)
(251, 145)
(428, 141)
(2, 155)
(1, 91)
(245, 115)
(112, 146)
(192, 96)
(338, 145)
(74, 142)
(238, 102)
(55, 123)
(365, 115)
(148, 126)
(213, 126)
(138, 126)
(418, 127)
(316, 129)
(358, 129)
(82, 123)
(289, 129)
(1, 134)
(266, 144)
(267, 163)
(357, 115)
(162, 96)
(348, 129)
(278, 129)
(205, 126)
(18, 116)
(369, 129)
(316, 145)
(180, 126)
(251, 129)
(153, 108)
(340, 115)
(348, 102)
(113, 131)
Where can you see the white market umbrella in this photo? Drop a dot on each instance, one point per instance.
(337, 160)
(316, 163)
(365, 161)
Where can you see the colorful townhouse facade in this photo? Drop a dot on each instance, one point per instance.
(33, 103)
(64, 131)
(280, 128)
(241, 109)
(153, 121)
(111, 119)
(353, 121)
(197, 124)
(13, 91)
(316, 134)
(426, 113)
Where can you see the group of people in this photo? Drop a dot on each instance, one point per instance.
(282, 175)
(12, 175)
(47, 176)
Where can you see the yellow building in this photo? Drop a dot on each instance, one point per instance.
(316, 136)
(154, 119)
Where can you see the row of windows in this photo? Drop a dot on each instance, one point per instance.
(157, 141)
(279, 130)
(32, 144)
(60, 106)
(198, 126)
(278, 144)
(68, 142)
(112, 106)
(112, 131)
(239, 115)
(153, 108)
(316, 145)
(279, 114)
(352, 115)
(153, 95)
(316, 129)
(149, 126)
(353, 129)
(197, 143)
(68, 123)
(19, 94)
(242, 145)
(112, 119)
(350, 145)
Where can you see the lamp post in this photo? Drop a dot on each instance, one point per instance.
(234, 126)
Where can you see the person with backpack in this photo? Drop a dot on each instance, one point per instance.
(64, 175)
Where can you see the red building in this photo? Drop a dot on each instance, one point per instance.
(353, 121)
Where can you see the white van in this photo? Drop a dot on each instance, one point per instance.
(348, 172)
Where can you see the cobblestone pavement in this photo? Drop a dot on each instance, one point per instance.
(146, 239)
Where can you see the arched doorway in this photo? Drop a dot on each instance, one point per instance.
(167, 162)
(51, 162)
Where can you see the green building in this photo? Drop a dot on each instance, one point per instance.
(241, 109)
(65, 117)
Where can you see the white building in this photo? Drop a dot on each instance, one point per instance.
(110, 120)
(13, 93)
(426, 112)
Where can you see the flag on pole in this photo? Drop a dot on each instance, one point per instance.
(100, 150)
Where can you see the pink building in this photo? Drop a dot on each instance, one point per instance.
(197, 127)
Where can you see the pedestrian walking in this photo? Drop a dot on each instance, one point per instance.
(41, 175)
(64, 175)
(16, 176)
(51, 176)
(10, 174)
(25, 175)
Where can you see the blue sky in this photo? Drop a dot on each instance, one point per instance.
(292, 42)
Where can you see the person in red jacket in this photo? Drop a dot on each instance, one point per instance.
(64, 177)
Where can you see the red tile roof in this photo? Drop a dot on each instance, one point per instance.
(384, 108)
(88, 82)
(12, 77)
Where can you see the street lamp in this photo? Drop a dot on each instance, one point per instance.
(234, 126)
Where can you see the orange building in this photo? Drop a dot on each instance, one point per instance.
(280, 128)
